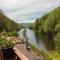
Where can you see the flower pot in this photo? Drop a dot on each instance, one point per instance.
(8, 52)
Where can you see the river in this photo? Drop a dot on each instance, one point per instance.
(32, 39)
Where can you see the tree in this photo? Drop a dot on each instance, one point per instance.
(47, 27)
(8, 24)
(57, 42)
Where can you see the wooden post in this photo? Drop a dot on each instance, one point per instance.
(1, 54)
(18, 58)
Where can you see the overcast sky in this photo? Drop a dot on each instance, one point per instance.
(24, 11)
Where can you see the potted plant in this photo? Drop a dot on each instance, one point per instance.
(7, 48)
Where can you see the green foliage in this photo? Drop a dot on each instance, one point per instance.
(48, 29)
(13, 33)
(5, 43)
(57, 29)
(31, 27)
(3, 33)
(45, 55)
(56, 55)
(8, 24)
(57, 42)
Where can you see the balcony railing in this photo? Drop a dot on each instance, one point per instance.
(20, 56)
(17, 55)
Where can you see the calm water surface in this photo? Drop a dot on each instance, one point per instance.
(32, 39)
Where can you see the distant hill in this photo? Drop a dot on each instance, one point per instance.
(26, 24)
(7, 24)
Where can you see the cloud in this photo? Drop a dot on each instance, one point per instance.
(27, 10)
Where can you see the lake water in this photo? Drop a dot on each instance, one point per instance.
(32, 39)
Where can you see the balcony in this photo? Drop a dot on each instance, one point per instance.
(20, 53)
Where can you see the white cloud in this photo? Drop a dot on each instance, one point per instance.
(24, 10)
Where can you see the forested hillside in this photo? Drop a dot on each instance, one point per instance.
(47, 28)
(8, 24)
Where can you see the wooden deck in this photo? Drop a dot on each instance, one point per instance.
(21, 53)
(24, 54)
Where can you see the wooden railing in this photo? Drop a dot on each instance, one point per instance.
(20, 56)
(1, 54)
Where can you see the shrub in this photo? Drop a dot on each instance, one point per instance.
(5, 43)
(13, 33)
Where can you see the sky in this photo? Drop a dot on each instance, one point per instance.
(27, 11)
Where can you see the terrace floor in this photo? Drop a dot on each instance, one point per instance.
(26, 55)
(23, 54)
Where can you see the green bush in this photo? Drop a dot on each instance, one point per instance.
(13, 33)
(3, 33)
(5, 43)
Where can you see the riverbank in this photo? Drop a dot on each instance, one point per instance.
(53, 55)
(40, 52)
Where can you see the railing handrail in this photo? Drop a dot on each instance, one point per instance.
(19, 54)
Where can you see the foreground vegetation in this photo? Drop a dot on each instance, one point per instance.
(5, 43)
(47, 56)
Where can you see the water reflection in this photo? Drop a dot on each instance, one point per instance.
(32, 39)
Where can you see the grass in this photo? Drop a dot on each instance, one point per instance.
(48, 56)
(56, 55)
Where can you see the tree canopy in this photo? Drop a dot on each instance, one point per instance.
(48, 28)
(7, 23)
